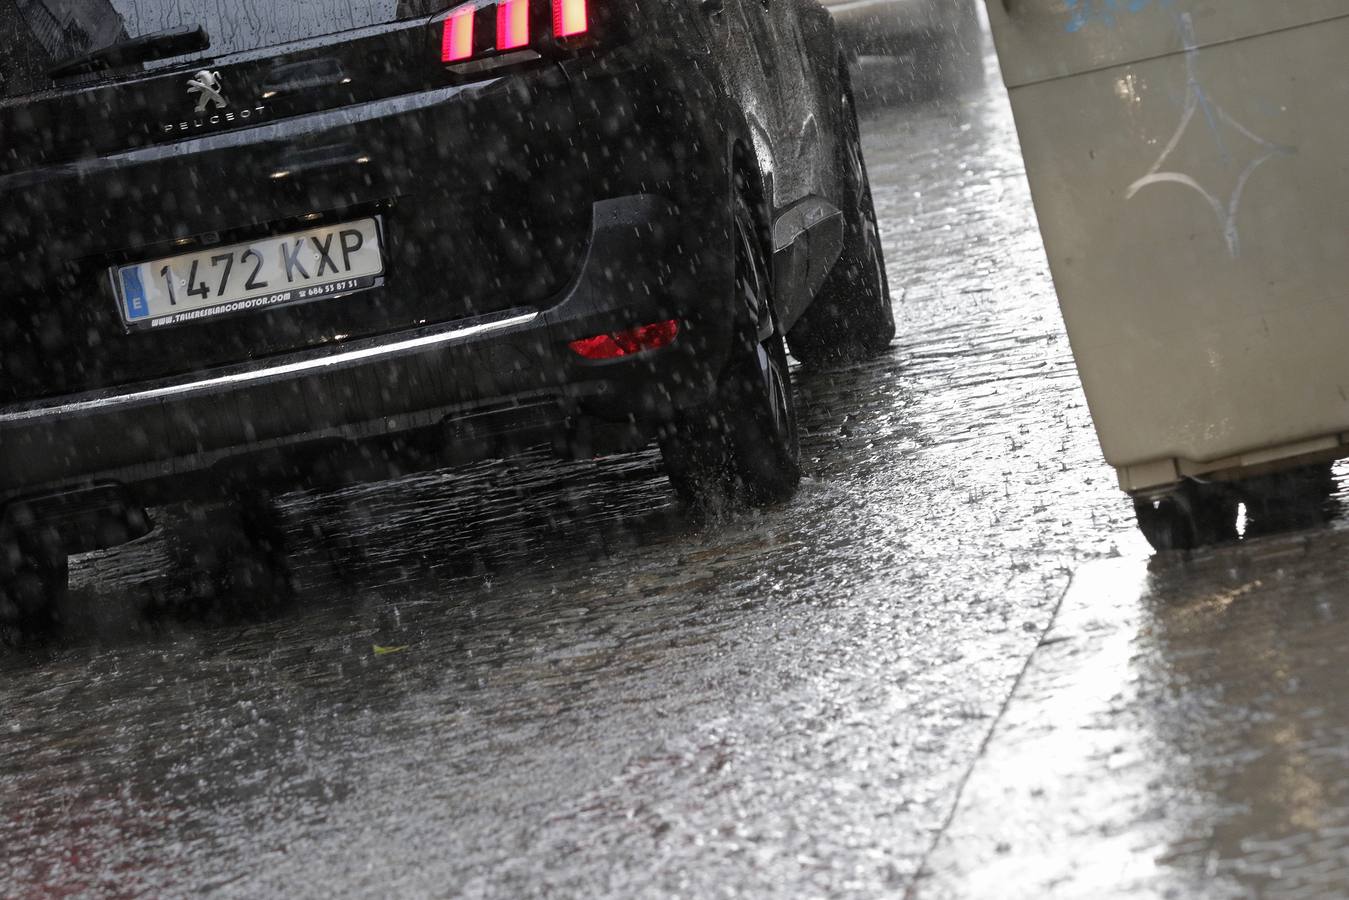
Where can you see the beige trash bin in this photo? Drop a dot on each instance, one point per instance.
(1189, 162)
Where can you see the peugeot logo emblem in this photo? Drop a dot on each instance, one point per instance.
(207, 84)
(210, 91)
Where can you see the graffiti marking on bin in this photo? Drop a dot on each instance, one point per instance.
(1105, 13)
(1215, 118)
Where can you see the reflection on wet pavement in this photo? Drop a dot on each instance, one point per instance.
(530, 677)
(1181, 732)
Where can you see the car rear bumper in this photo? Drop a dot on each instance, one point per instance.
(461, 387)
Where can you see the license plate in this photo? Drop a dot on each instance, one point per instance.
(320, 263)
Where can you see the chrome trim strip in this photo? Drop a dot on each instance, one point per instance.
(371, 353)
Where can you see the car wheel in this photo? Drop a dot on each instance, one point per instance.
(851, 317)
(745, 445)
(236, 556)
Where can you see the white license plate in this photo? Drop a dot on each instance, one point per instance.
(293, 268)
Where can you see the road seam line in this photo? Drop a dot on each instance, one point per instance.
(911, 892)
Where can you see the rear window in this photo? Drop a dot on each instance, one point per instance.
(35, 35)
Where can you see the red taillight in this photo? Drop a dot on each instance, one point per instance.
(457, 45)
(625, 343)
(512, 24)
(514, 30)
(570, 18)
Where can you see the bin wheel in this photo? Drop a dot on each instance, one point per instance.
(1193, 515)
(1285, 501)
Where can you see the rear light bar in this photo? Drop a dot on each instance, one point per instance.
(570, 17)
(458, 42)
(512, 24)
(466, 34)
(614, 344)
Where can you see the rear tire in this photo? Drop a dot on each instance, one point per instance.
(851, 317)
(745, 444)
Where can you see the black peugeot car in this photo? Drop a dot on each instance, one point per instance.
(247, 247)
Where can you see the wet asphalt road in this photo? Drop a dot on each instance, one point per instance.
(531, 678)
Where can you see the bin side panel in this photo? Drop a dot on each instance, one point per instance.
(1195, 211)
(1043, 39)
